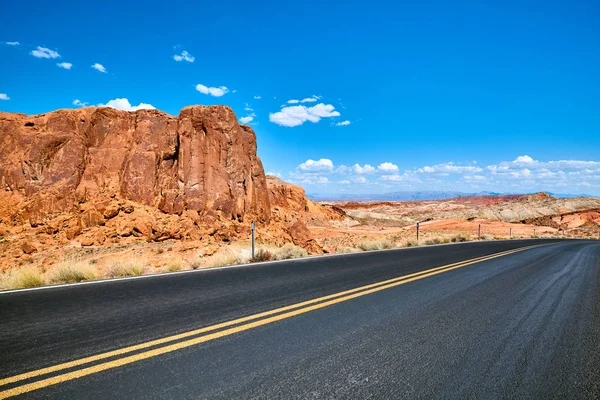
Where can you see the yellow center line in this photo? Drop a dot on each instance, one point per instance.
(310, 306)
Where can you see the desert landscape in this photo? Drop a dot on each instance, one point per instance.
(94, 193)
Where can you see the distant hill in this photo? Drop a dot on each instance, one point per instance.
(418, 195)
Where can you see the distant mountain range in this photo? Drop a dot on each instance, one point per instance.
(417, 195)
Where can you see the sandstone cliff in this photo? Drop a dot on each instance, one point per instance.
(201, 161)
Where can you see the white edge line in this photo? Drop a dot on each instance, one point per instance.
(247, 265)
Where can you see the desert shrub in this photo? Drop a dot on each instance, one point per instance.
(21, 278)
(174, 266)
(411, 243)
(196, 262)
(262, 255)
(124, 268)
(376, 245)
(461, 237)
(290, 250)
(228, 257)
(346, 249)
(433, 241)
(487, 236)
(71, 271)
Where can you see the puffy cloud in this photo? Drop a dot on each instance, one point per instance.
(257, 97)
(359, 179)
(99, 67)
(213, 91)
(309, 100)
(44, 52)
(247, 119)
(13, 43)
(524, 160)
(65, 65)
(324, 165)
(79, 103)
(124, 105)
(297, 115)
(392, 177)
(184, 56)
(4, 96)
(293, 101)
(343, 123)
(387, 167)
(366, 169)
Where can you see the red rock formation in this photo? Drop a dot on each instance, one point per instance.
(201, 161)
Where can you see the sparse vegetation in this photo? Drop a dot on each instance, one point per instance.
(174, 266)
(262, 255)
(346, 249)
(124, 268)
(20, 278)
(487, 236)
(411, 243)
(377, 245)
(435, 240)
(72, 271)
(290, 250)
(228, 257)
(461, 237)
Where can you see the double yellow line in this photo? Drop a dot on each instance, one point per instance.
(234, 326)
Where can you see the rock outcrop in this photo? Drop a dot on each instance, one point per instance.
(84, 160)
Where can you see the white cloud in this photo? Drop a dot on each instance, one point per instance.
(366, 169)
(257, 97)
(13, 43)
(309, 100)
(297, 115)
(293, 101)
(344, 182)
(44, 52)
(448, 168)
(320, 166)
(65, 65)
(387, 167)
(4, 96)
(124, 105)
(184, 56)
(79, 103)
(359, 179)
(524, 160)
(274, 173)
(392, 177)
(343, 123)
(99, 67)
(213, 91)
(248, 118)
(247, 107)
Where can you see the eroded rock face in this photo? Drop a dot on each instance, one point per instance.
(202, 160)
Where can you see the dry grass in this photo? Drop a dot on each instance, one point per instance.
(376, 245)
(262, 255)
(290, 250)
(346, 249)
(20, 278)
(72, 271)
(229, 257)
(411, 243)
(461, 237)
(487, 236)
(124, 268)
(174, 265)
(435, 240)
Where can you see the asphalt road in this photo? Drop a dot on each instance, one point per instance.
(522, 325)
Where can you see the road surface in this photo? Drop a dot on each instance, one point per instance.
(512, 319)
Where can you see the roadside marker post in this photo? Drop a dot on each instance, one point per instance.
(417, 233)
(510, 233)
(479, 232)
(252, 240)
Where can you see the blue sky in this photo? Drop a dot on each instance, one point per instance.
(411, 96)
